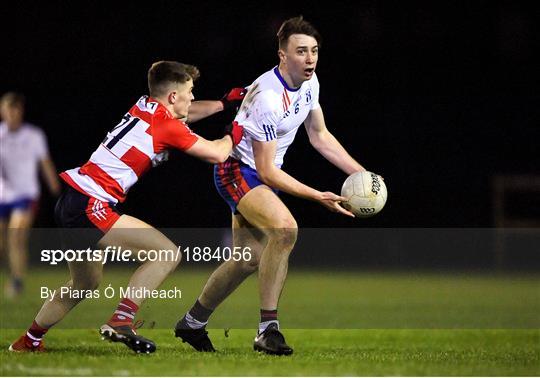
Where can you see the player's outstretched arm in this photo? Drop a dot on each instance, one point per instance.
(264, 153)
(202, 109)
(212, 151)
(327, 145)
(205, 108)
(217, 151)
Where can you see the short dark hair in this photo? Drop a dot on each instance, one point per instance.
(13, 99)
(164, 73)
(296, 25)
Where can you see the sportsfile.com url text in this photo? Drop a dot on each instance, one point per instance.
(118, 254)
(109, 254)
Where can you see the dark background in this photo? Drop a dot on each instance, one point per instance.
(436, 97)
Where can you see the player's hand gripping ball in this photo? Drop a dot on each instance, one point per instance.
(366, 193)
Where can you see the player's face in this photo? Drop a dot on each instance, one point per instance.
(300, 57)
(12, 114)
(181, 99)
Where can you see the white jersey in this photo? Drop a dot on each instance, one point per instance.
(21, 152)
(272, 110)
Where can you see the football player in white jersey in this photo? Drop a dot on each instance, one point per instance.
(277, 103)
(23, 154)
(140, 141)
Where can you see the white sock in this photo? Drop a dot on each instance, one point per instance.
(194, 323)
(263, 325)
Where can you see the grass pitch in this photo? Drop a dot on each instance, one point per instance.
(339, 323)
(317, 353)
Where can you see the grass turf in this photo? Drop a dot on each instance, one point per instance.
(340, 323)
(318, 353)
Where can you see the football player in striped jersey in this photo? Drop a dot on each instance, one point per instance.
(277, 103)
(153, 126)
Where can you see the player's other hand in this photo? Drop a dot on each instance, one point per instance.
(332, 202)
(236, 132)
(233, 97)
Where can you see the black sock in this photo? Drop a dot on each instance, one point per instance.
(199, 312)
(196, 317)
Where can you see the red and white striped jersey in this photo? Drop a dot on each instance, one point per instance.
(139, 142)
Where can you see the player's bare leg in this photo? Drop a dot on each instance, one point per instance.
(223, 281)
(84, 276)
(229, 275)
(3, 242)
(18, 231)
(136, 235)
(128, 233)
(262, 209)
(273, 229)
(88, 275)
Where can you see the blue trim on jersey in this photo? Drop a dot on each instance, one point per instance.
(269, 132)
(276, 71)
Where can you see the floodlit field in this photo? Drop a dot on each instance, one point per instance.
(339, 323)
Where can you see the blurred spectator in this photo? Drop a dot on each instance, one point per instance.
(23, 152)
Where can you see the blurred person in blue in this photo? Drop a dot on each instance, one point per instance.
(23, 153)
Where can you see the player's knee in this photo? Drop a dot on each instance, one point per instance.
(286, 233)
(172, 261)
(251, 265)
(170, 258)
(285, 225)
(89, 281)
(287, 237)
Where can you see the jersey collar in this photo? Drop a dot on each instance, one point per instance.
(160, 108)
(283, 82)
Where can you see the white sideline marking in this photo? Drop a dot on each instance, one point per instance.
(48, 371)
(55, 372)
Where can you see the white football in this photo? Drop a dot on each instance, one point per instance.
(366, 194)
